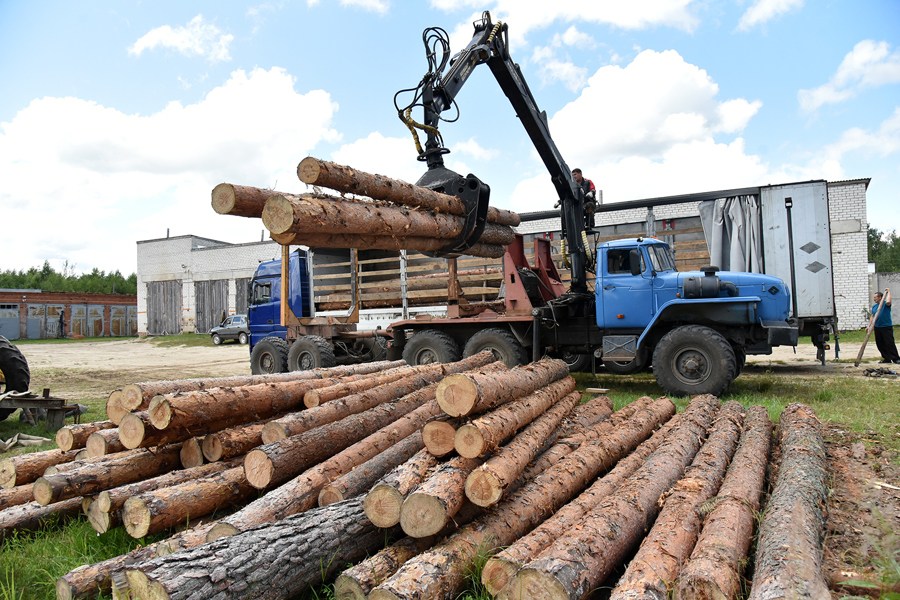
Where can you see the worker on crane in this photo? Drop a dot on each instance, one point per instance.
(590, 197)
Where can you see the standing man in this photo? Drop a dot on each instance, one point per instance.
(590, 197)
(884, 330)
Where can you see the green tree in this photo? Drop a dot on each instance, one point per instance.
(49, 280)
(884, 250)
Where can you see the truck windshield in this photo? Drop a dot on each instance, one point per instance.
(660, 258)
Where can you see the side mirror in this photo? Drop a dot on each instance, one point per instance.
(634, 258)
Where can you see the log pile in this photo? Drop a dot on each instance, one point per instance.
(556, 494)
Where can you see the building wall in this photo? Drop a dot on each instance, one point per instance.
(878, 282)
(32, 314)
(849, 252)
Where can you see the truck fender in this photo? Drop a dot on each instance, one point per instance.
(732, 310)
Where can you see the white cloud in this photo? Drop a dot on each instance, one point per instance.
(883, 142)
(379, 6)
(868, 65)
(565, 72)
(764, 11)
(390, 156)
(578, 39)
(196, 39)
(97, 179)
(472, 148)
(453, 5)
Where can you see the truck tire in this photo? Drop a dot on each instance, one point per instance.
(429, 347)
(624, 367)
(577, 362)
(310, 352)
(15, 372)
(740, 358)
(693, 359)
(502, 343)
(269, 356)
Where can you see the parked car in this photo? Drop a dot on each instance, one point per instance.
(235, 327)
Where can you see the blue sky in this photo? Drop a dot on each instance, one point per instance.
(118, 118)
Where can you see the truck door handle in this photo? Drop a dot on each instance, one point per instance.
(609, 287)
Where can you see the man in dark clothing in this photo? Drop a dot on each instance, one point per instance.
(590, 197)
(884, 330)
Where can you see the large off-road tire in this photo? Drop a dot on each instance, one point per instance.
(502, 343)
(269, 356)
(693, 359)
(740, 357)
(310, 352)
(430, 347)
(15, 372)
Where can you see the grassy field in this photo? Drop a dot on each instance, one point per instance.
(30, 563)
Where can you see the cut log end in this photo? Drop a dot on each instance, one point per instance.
(99, 520)
(65, 590)
(43, 491)
(103, 501)
(698, 590)
(86, 503)
(379, 594)
(191, 454)
(131, 431)
(278, 214)
(160, 411)
(132, 397)
(311, 399)
(138, 583)
(259, 469)
(422, 515)
(496, 574)
(272, 432)
(96, 445)
(530, 583)
(220, 530)
(438, 437)
(469, 441)
(7, 474)
(64, 439)
(483, 488)
(212, 448)
(308, 170)
(456, 395)
(223, 198)
(329, 495)
(136, 517)
(347, 588)
(382, 506)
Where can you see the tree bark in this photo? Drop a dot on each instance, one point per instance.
(360, 479)
(234, 441)
(381, 242)
(378, 187)
(439, 572)
(501, 568)
(76, 436)
(384, 500)
(31, 516)
(103, 442)
(21, 494)
(671, 541)
(136, 431)
(299, 422)
(96, 477)
(320, 214)
(428, 509)
(485, 434)
(486, 484)
(789, 550)
(585, 416)
(715, 567)
(438, 436)
(26, 468)
(471, 393)
(83, 460)
(585, 555)
(277, 560)
(345, 388)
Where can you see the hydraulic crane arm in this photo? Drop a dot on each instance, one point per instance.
(437, 92)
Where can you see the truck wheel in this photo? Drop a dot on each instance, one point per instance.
(15, 372)
(242, 338)
(269, 356)
(429, 347)
(740, 358)
(217, 339)
(502, 343)
(310, 352)
(577, 362)
(624, 367)
(693, 359)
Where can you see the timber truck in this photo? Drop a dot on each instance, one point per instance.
(694, 328)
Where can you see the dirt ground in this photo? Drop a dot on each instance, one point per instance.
(863, 511)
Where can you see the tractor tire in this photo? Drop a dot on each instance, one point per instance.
(269, 356)
(310, 352)
(430, 347)
(501, 343)
(693, 359)
(15, 371)
(243, 338)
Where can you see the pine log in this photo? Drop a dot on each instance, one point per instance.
(360, 479)
(385, 499)
(26, 468)
(674, 534)
(82, 460)
(139, 395)
(501, 568)
(302, 493)
(114, 408)
(469, 393)
(96, 477)
(136, 430)
(191, 454)
(321, 214)
(789, 550)
(31, 516)
(76, 436)
(275, 560)
(427, 510)
(297, 423)
(21, 494)
(103, 442)
(438, 436)
(233, 441)
(438, 573)
(486, 484)
(484, 434)
(240, 200)
(166, 507)
(585, 415)
(322, 173)
(345, 388)
(381, 242)
(715, 567)
(583, 556)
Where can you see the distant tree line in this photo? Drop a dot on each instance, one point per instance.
(47, 279)
(884, 250)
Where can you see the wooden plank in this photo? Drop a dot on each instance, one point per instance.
(692, 244)
(691, 255)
